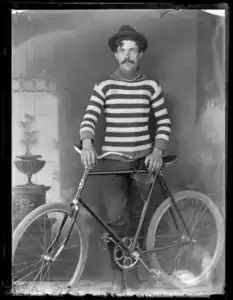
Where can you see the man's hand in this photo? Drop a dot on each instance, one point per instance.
(88, 154)
(154, 160)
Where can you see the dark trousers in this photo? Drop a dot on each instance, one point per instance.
(121, 196)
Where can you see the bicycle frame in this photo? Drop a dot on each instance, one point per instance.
(158, 177)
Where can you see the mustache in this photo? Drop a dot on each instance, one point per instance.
(127, 61)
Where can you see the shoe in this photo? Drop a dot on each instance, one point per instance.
(119, 283)
(134, 282)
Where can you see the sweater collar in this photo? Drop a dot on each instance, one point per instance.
(118, 76)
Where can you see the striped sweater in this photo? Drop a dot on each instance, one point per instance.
(126, 106)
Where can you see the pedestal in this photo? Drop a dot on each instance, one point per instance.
(25, 198)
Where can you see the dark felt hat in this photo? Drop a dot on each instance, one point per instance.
(127, 31)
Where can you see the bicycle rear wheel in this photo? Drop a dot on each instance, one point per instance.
(33, 270)
(193, 264)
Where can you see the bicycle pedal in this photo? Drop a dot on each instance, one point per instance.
(155, 273)
(106, 238)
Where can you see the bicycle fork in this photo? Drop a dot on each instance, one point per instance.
(75, 211)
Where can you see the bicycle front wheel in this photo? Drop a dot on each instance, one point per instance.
(191, 264)
(36, 269)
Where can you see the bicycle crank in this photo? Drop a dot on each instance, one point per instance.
(122, 258)
(126, 261)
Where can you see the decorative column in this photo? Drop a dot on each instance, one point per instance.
(28, 196)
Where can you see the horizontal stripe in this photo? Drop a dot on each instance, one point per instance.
(163, 132)
(161, 112)
(97, 100)
(128, 105)
(164, 128)
(96, 94)
(158, 103)
(108, 82)
(127, 110)
(164, 121)
(126, 144)
(127, 92)
(122, 125)
(126, 101)
(89, 120)
(158, 91)
(126, 120)
(126, 129)
(127, 133)
(128, 139)
(98, 90)
(127, 115)
(91, 102)
(92, 112)
(87, 129)
(126, 149)
(110, 89)
(162, 136)
(147, 84)
(127, 96)
(84, 123)
(95, 108)
(161, 118)
(90, 116)
(123, 86)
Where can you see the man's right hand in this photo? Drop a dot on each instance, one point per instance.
(88, 154)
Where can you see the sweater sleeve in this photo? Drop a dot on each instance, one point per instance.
(163, 121)
(92, 113)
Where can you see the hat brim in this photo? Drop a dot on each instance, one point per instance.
(136, 36)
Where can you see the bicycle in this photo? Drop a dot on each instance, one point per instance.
(173, 227)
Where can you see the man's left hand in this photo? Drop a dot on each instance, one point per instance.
(154, 160)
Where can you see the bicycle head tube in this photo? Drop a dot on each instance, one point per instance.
(81, 185)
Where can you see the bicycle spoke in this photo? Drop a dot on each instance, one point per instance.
(30, 272)
(179, 253)
(39, 274)
(65, 260)
(195, 222)
(47, 271)
(44, 237)
(166, 236)
(21, 270)
(35, 240)
(177, 256)
(191, 217)
(23, 263)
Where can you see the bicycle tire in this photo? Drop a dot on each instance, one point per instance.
(50, 208)
(157, 217)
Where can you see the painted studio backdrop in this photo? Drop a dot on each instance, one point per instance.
(57, 58)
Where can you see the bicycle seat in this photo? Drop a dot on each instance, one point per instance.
(168, 160)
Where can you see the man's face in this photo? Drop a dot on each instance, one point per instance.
(128, 55)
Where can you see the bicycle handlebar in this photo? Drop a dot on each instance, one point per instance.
(106, 154)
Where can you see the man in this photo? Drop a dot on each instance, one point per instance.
(126, 97)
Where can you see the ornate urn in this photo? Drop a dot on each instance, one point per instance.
(28, 196)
